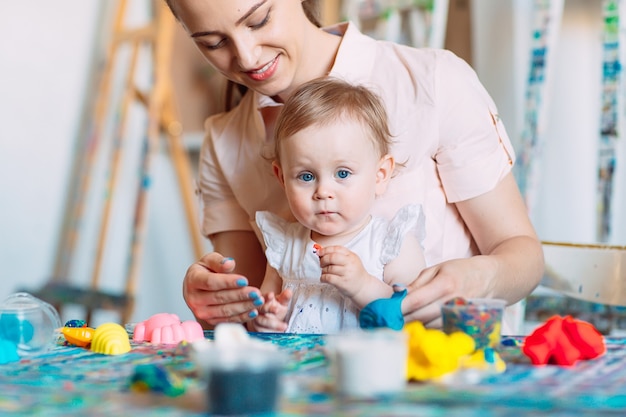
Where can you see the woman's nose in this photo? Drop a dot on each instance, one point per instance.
(247, 52)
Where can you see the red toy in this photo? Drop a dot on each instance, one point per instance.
(563, 341)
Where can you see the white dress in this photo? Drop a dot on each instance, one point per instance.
(317, 307)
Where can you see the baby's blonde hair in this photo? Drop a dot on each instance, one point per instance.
(326, 100)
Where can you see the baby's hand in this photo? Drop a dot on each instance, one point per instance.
(343, 269)
(273, 313)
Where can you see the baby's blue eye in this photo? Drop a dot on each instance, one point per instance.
(343, 174)
(306, 176)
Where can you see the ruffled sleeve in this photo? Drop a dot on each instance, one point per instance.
(274, 230)
(409, 219)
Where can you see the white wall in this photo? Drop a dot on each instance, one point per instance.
(566, 201)
(44, 62)
(44, 57)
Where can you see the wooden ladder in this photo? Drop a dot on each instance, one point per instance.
(162, 119)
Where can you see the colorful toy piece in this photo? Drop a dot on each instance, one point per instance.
(316, 247)
(563, 341)
(156, 378)
(167, 328)
(479, 318)
(432, 353)
(75, 323)
(78, 336)
(384, 312)
(110, 339)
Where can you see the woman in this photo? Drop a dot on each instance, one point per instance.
(479, 241)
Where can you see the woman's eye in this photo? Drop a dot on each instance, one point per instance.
(214, 46)
(343, 174)
(306, 177)
(262, 22)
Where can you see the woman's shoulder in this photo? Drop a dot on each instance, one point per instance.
(422, 60)
(221, 121)
(226, 130)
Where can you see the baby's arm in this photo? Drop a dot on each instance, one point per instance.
(405, 268)
(273, 312)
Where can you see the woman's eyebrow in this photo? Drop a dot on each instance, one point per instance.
(252, 10)
(238, 22)
(205, 33)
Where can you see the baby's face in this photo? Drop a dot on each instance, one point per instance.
(330, 174)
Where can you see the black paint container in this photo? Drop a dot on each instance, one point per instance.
(244, 382)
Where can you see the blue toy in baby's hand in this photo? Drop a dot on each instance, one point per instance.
(384, 312)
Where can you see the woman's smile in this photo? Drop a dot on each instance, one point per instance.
(265, 72)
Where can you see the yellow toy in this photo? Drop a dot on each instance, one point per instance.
(110, 339)
(433, 353)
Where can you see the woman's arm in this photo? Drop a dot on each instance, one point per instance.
(510, 265)
(500, 225)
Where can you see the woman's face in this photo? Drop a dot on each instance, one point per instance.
(257, 43)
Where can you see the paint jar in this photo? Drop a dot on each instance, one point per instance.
(368, 364)
(28, 322)
(480, 318)
(243, 380)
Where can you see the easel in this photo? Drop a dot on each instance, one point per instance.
(162, 116)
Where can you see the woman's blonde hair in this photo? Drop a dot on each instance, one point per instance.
(326, 100)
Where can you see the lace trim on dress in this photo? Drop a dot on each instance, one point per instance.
(409, 218)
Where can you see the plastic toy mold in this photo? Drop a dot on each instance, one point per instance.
(433, 353)
(563, 341)
(110, 339)
(167, 329)
(78, 336)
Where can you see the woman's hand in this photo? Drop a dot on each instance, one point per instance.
(216, 294)
(217, 289)
(437, 284)
(510, 267)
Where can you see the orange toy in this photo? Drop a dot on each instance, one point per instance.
(78, 336)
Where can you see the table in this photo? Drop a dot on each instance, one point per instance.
(69, 381)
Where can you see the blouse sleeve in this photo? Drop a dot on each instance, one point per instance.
(475, 152)
(221, 211)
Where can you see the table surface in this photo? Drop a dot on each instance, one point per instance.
(75, 381)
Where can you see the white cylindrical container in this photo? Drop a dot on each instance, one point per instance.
(368, 363)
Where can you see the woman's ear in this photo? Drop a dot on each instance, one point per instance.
(278, 173)
(384, 173)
